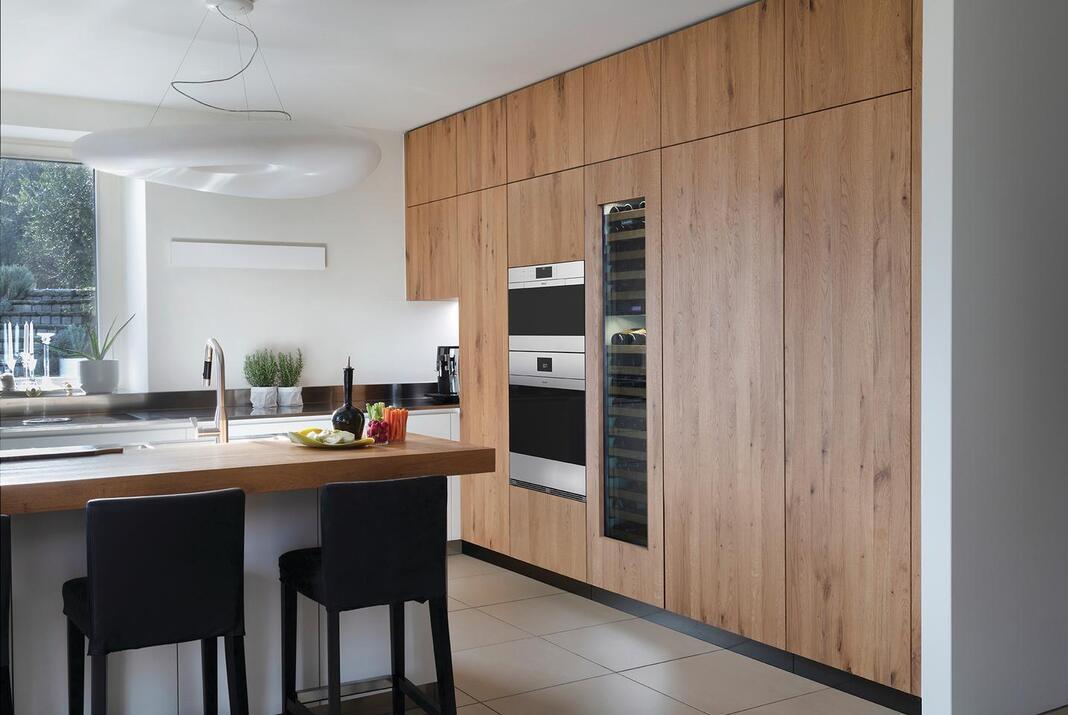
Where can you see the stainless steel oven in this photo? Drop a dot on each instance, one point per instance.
(547, 422)
(547, 307)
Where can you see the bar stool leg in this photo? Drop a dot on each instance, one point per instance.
(209, 664)
(439, 629)
(396, 647)
(289, 646)
(75, 669)
(333, 661)
(236, 683)
(99, 666)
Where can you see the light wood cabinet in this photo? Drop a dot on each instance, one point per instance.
(841, 51)
(723, 380)
(481, 147)
(618, 566)
(482, 229)
(431, 251)
(545, 219)
(545, 126)
(549, 531)
(848, 342)
(724, 74)
(622, 103)
(430, 162)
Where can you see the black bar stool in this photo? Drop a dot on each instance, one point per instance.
(165, 569)
(382, 543)
(7, 701)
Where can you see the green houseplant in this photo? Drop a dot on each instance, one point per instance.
(97, 374)
(290, 367)
(261, 371)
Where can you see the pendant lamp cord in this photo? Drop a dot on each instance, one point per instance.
(174, 84)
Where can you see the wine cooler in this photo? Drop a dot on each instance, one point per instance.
(626, 490)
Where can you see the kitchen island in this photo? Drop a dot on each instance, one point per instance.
(47, 498)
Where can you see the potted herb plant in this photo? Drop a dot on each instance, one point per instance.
(261, 371)
(97, 374)
(290, 367)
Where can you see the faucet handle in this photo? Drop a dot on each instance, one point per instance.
(207, 430)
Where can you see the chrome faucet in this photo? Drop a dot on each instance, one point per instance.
(221, 429)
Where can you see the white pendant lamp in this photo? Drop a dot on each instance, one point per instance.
(260, 159)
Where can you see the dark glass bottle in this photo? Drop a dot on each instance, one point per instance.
(347, 417)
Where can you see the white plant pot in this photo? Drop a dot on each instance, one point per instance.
(264, 398)
(290, 396)
(99, 377)
(69, 370)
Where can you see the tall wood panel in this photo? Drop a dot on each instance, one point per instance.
(622, 103)
(723, 74)
(545, 220)
(483, 226)
(545, 126)
(917, 83)
(723, 380)
(549, 531)
(431, 251)
(848, 343)
(840, 51)
(614, 565)
(481, 138)
(430, 162)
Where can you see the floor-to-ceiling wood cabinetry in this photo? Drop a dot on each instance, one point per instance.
(430, 162)
(545, 126)
(723, 381)
(848, 397)
(629, 569)
(622, 103)
(545, 220)
(431, 250)
(482, 230)
(548, 531)
(481, 157)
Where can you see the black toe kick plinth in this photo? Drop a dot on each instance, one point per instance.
(368, 697)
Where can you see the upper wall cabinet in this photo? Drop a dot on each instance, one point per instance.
(848, 388)
(622, 99)
(480, 147)
(430, 162)
(545, 219)
(724, 73)
(545, 126)
(841, 51)
(431, 251)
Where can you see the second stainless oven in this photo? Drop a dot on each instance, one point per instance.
(547, 422)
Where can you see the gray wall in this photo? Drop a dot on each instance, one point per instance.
(1009, 379)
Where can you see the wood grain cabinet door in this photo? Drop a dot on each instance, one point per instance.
(480, 147)
(545, 219)
(431, 251)
(483, 240)
(724, 74)
(841, 51)
(548, 531)
(545, 126)
(625, 568)
(848, 388)
(430, 162)
(723, 382)
(622, 100)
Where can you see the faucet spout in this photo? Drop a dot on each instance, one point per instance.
(213, 353)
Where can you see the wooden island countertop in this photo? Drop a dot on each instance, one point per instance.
(258, 465)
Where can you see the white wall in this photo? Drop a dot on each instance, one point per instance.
(355, 307)
(994, 206)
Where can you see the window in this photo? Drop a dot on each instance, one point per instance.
(47, 255)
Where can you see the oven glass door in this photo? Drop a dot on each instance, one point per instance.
(547, 434)
(548, 310)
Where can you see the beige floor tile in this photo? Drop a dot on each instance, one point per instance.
(497, 671)
(722, 682)
(462, 699)
(476, 709)
(823, 702)
(486, 589)
(607, 695)
(455, 605)
(629, 644)
(552, 614)
(462, 565)
(473, 628)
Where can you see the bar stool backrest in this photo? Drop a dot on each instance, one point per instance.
(165, 569)
(383, 542)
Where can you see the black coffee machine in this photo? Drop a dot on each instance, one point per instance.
(448, 366)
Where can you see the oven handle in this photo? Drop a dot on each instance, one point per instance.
(559, 383)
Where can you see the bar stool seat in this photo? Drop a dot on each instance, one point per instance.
(303, 569)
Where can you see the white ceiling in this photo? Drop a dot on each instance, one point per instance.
(386, 64)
